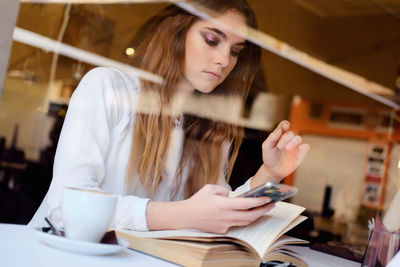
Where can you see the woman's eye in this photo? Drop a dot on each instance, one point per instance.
(211, 42)
(235, 53)
(211, 39)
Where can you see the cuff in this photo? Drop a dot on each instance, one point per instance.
(244, 188)
(139, 213)
(131, 213)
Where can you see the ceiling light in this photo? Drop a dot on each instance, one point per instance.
(129, 51)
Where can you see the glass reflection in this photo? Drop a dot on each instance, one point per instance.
(327, 40)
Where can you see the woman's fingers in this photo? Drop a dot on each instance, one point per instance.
(294, 142)
(275, 136)
(211, 210)
(244, 217)
(289, 141)
(284, 125)
(285, 139)
(246, 203)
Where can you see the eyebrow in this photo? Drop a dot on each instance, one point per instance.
(223, 35)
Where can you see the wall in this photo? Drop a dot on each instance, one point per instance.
(338, 162)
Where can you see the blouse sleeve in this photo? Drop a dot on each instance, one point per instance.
(84, 143)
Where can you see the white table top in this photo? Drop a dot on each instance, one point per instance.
(316, 258)
(20, 247)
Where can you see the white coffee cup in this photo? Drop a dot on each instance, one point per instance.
(87, 214)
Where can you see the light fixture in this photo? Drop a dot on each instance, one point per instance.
(130, 51)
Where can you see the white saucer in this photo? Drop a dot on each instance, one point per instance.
(80, 247)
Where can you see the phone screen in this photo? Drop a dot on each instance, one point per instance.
(275, 191)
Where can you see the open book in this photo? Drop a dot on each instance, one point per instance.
(260, 241)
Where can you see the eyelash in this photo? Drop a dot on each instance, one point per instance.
(234, 53)
(211, 42)
(215, 43)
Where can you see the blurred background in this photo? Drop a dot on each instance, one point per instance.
(332, 69)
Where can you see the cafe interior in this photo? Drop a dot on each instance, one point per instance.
(332, 68)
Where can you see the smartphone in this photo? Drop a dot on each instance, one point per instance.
(276, 192)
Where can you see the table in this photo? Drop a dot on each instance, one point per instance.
(19, 247)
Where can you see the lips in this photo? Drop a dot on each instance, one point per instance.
(213, 75)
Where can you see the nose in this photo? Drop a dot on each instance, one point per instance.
(223, 57)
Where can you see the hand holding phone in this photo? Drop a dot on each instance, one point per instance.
(276, 192)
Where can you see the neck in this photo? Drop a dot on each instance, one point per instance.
(183, 91)
(184, 88)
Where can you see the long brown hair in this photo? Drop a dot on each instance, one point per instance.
(162, 52)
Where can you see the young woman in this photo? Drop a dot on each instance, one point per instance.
(170, 171)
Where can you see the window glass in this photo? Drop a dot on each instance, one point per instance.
(330, 67)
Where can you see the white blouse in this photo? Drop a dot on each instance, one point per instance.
(94, 147)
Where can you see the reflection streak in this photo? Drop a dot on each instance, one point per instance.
(47, 44)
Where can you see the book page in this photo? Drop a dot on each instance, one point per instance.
(262, 233)
(170, 233)
(259, 235)
(297, 221)
(280, 243)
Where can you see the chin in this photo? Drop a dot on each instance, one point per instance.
(205, 89)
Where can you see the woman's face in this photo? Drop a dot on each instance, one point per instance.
(211, 53)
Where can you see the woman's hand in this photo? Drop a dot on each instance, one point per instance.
(209, 210)
(282, 153)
